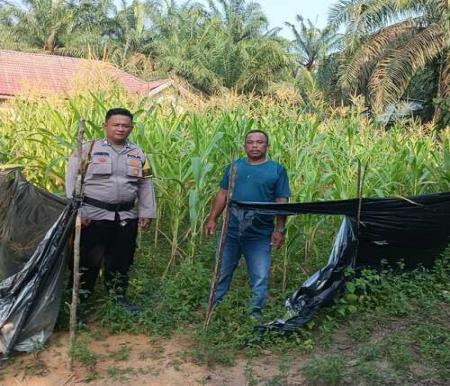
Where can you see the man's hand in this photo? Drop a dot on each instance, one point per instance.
(210, 227)
(85, 222)
(277, 239)
(143, 223)
(217, 208)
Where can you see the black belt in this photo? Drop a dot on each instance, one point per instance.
(119, 207)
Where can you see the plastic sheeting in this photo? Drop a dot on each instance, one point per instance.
(412, 230)
(34, 229)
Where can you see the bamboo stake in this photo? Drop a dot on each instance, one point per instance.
(359, 195)
(220, 249)
(76, 247)
(359, 189)
(361, 178)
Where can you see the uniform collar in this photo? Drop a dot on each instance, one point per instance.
(127, 144)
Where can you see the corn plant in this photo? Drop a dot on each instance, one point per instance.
(188, 151)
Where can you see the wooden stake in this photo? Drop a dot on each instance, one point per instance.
(359, 189)
(220, 249)
(76, 247)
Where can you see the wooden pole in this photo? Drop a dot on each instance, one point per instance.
(76, 247)
(220, 248)
(359, 192)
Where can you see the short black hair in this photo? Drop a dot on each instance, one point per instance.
(258, 131)
(118, 111)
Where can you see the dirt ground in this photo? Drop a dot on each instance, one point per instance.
(137, 360)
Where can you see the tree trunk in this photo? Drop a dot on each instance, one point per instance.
(443, 90)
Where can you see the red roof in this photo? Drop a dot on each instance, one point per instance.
(20, 71)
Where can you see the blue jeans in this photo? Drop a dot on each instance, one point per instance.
(257, 257)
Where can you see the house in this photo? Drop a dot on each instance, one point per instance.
(41, 73)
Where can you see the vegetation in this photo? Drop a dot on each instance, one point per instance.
(388, 42)
(390, 49)
(189, 150)
(226, 44)
(389, 327)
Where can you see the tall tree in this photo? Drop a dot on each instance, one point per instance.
(94, 30)
(241, 19)
(183, 44)
(38, 23)
(57, 26)
(388, 42)
(311, 44)
(133, 34)
(227, 45)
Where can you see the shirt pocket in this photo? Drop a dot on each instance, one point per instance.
(101, 166)
(134, 168)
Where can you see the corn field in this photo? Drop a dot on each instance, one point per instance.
(189, 149)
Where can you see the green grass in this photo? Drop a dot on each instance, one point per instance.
(80, 352)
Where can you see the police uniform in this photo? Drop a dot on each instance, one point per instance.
(117, 190)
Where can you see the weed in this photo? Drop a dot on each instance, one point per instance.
(325, 371)
(276, 380)
(122, 354)
(118, 373)
(359, 330)
(370, 352)
(370, 374)
(250, 375)
(400, 357)
(36, 367)
(90, 376)
(81, 353)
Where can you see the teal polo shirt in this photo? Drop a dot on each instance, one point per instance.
(263, 182)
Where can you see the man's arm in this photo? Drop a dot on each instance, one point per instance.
(146, 201)
(220, 200)
(280, 223)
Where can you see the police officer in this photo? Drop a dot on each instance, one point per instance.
(118, 198)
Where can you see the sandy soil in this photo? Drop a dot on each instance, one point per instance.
(137, 360)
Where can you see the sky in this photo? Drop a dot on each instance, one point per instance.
(279, 11)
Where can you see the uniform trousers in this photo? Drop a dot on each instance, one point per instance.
(110, 244)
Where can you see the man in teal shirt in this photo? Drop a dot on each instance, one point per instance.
(258, 179)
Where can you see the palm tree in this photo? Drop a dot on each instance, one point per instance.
(388, 42)
(311, 44)
(227, 45)
(38, 23)
(251, 54)
(93, 30)
(86, 28)
(242, 20)
(132, 33)
(183, 44)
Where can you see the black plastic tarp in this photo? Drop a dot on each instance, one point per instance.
(411, 230)
(34, 230)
